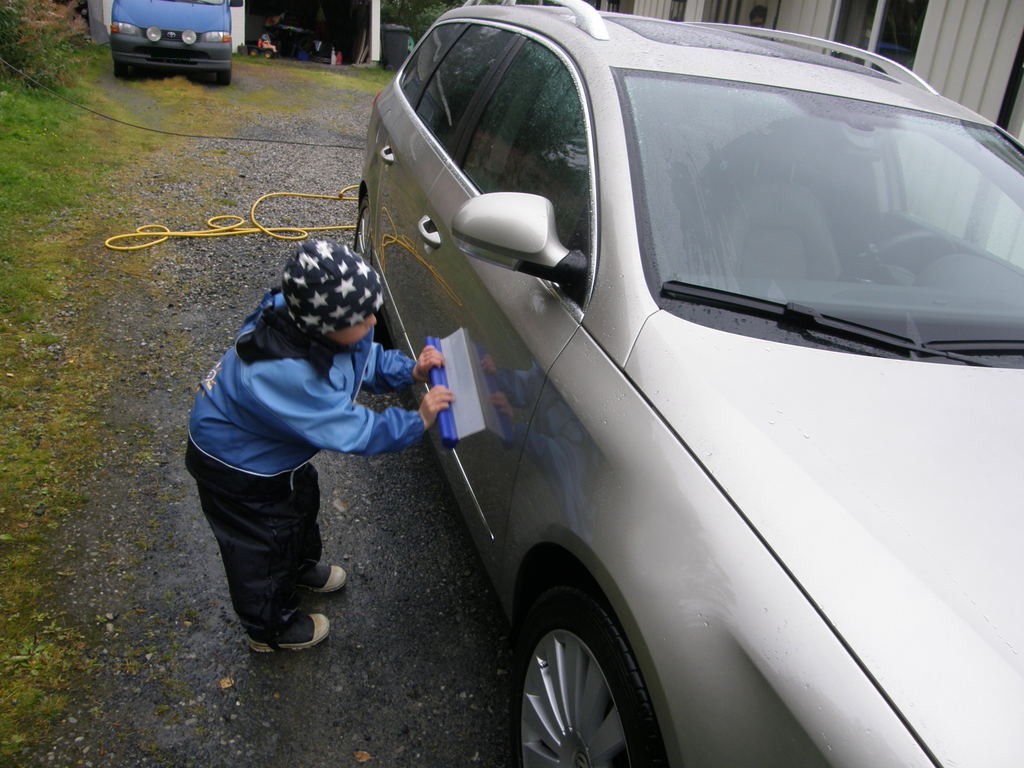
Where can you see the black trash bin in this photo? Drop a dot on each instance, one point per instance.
(395, 43)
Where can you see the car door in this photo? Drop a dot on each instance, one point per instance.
(418, 126)
(524, 131)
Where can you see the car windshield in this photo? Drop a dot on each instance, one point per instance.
(891, 218)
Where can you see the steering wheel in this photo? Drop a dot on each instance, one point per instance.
(909, 245)
(898, 259)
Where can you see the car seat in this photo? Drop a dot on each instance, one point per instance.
(779, 230)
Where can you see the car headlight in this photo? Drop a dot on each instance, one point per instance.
(188, 37)
(153, 34)
(120, 28)
(215, 37)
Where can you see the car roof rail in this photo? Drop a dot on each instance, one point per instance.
(893, 69)
(584, 14)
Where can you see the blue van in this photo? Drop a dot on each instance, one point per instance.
(178, 36)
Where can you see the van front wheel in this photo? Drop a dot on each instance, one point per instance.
(224, 77)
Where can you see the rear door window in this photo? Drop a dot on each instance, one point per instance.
(451, 89)
(425, 59)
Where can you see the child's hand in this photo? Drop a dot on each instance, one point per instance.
(429, 358)
(500, 402)
(436, 400)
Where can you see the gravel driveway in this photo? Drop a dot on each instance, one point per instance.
(415, 670)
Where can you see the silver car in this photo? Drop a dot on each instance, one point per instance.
(745, 315)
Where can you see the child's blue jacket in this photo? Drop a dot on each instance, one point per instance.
(273, 415)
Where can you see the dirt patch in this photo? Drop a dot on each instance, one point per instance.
(414, 672)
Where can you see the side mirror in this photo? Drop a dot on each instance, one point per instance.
(517, 231)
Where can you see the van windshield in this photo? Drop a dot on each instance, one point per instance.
(889, 217)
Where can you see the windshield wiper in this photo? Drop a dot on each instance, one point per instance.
(980, 346)
(808, 318)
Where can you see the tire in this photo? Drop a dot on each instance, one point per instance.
(361, 240)
(120, 70)
(363, 245)
(223, 77)
(578, 698)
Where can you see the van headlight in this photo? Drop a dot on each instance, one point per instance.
(153, 34)
(215, 37)
(120, 28)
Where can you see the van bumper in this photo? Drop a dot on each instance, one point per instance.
(171, 56)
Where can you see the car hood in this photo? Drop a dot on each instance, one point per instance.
(892, 491)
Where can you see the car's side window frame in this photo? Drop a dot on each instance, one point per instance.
(449, 140)
(475, 107)
(475, 111)
(416, 94)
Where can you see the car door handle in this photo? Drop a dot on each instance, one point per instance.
(386, 154)
(429, 232)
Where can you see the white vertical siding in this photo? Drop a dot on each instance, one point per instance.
(967, 50)
(808, 17)
(656, 9)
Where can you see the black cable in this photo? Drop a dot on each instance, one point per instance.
(73, 103)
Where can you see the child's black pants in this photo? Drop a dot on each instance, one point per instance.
(267, 531)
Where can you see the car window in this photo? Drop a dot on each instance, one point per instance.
(891, 218)
(456, 80)
(425, 58)
(958, 197)
(532, 138)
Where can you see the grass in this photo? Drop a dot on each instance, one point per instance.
(56, 166)
(36, 653)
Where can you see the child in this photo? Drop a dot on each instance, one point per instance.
(284, 392)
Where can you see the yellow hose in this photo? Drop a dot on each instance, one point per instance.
(229, 225)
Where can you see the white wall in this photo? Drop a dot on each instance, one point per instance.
(375, 31)
(808, 17)
(237, 27)
(967, 50)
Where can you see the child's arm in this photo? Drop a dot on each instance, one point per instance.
(391, 369)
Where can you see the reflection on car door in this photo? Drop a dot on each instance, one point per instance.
(528, 134)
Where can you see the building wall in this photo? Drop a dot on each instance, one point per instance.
(656, 9)
(808, 17)
(967, 50)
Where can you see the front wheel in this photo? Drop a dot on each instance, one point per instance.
(363, 245)
(578, 696)
(361, 241)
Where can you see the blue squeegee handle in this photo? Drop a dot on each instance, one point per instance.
(445, 419)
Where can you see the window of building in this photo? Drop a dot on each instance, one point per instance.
(890, 27)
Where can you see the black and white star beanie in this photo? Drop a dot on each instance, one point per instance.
(327, 287)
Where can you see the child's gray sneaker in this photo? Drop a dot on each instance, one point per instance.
(322, 578)
(304, 632)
